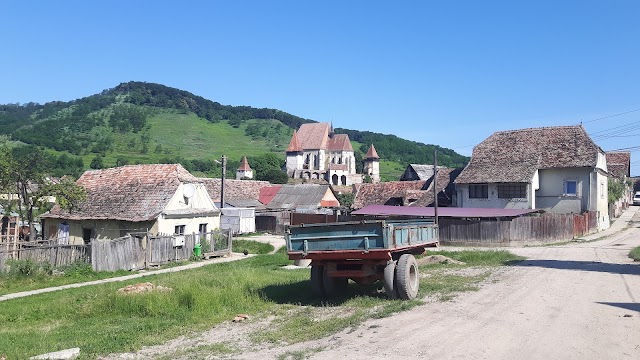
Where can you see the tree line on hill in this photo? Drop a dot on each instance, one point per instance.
(89, 126)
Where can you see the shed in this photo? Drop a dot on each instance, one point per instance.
(238, 220)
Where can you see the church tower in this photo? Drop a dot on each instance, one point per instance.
(244, 171)
(372, 164)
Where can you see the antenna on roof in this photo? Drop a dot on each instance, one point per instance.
(188, 191)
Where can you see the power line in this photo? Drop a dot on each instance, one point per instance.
(610, 116)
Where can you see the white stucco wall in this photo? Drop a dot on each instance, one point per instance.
(200, 202)
(551, 195)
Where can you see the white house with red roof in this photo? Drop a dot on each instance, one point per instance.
(154, 198)
(558, 169)
(315, 152)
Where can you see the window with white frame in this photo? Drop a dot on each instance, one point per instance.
(571, 187)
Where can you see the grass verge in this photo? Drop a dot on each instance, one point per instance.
(26, 275)
(99, 320)
(251, 247)
(635, 254)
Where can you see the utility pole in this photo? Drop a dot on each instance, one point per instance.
(435, 183)
(224, 176)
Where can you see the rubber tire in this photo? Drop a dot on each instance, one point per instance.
(332, 285)
(407, 277)
(317, 287)
(389, 280)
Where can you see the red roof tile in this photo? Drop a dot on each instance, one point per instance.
(294, 144)
(244, 164)
(618, 163)
(313, 135)
(129, 193)
(514, 156)
(340, 142)
(372, 153)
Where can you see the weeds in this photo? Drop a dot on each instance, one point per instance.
(251, 247)
(635, 254)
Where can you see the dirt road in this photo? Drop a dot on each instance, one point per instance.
(578, 301)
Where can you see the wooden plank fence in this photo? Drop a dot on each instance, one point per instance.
(138, 252)
(517, 231)
(124, 253)
(45, 252)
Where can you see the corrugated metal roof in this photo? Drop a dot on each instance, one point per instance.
(381, 210)
(304, 196)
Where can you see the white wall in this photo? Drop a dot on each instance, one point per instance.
(201, 207)
(101, 229)
(551, 195)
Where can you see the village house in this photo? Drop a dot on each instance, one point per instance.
(619, 166)
(416, 192)
(316, 153)
(558, 169)
(157, 198)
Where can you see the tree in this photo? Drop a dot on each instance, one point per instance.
(24, 171)
(97, 162)
(275, 176)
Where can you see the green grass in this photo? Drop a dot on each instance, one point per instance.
(41, 277)
(100, 321)
(251, 247)
(390, 170)
(635, 254)
(480, 257)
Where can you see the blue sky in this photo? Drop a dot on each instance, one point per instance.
(439, 72)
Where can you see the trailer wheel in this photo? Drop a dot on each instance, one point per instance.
(333, 285)
(317, 272)
(407, 280)
(389, 280)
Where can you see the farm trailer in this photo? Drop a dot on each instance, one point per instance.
(363, 251)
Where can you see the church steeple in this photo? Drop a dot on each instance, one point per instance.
(244, 170)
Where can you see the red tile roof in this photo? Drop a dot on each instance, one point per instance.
(618, 163)
(244, 164)
(294, 144)
(314, 135)
(380, 193)
(372, 153)
(514, 156)
(234, 189)
(129, 193)
(340, 142)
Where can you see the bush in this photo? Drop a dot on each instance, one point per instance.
(635, 254)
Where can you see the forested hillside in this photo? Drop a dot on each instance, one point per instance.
(139, 122)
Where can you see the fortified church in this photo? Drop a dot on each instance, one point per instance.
(316, 153)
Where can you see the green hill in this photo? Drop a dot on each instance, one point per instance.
(139, 122)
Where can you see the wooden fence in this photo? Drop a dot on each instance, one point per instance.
(124, 253)
(546, 228)
(140, 251)
(44, 252)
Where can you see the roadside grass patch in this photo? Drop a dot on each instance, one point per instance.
(24, 275)
(251, 247)
(100, 320)
(635, 254)
(480, 257)
(300, 354)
